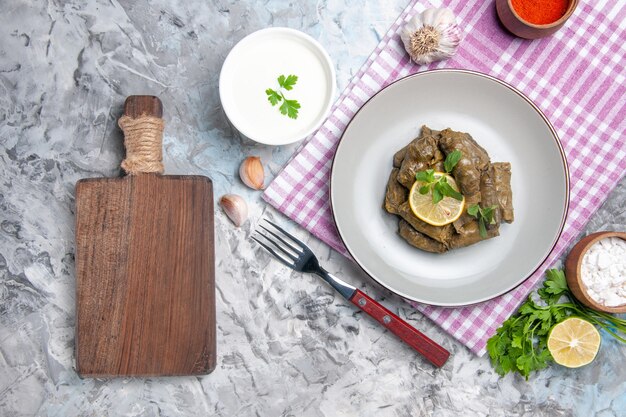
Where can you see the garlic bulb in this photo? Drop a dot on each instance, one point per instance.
(431, 36)
(235, 208)
(251, 172)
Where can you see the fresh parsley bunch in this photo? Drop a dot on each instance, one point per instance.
(520, 344)
(289, 107)
(440, 185)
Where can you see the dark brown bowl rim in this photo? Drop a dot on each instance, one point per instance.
(555, 136)
(596, 237)
(572, 6)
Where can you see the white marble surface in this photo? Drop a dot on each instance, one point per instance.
(288, 345)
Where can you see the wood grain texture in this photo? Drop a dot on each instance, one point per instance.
(145, 278)
(431, 351)
(136, 106)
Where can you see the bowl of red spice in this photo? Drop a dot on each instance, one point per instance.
(533, 19)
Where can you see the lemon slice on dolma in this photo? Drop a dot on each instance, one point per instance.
(444, 212)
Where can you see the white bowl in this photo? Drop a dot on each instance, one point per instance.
(254, 65)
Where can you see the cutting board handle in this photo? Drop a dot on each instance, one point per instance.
(142, 125)
(137, 106)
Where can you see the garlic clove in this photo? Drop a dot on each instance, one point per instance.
(251, 172)
(431, 36)
(235, 207)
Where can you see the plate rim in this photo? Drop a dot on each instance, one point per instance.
(556, 139)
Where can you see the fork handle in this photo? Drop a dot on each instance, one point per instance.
(433, 352)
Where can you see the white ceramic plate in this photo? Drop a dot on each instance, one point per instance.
(509, 126)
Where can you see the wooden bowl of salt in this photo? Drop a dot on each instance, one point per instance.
(533, 19)
(576, 265)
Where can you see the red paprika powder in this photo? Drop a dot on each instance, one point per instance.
(540, 12)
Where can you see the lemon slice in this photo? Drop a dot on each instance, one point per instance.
(446, 211)
(574, 342)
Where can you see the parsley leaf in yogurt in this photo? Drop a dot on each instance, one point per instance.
(273, 96)
(288, 107)
(288, 82)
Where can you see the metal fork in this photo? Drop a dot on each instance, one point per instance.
(294, 254)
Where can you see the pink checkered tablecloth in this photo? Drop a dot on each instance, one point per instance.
(576, 77)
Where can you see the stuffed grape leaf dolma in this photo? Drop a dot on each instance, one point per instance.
(495, 189)
(473, 162)
(396, 194)
(489, 193)
(421, 154)
(398, 157)
(465, 218)
(471, 235)
(419, 240)
(502, 182)
(481, 182)
(441, 234)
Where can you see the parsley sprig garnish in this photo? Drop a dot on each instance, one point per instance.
(289, 107)
(484, 216)
(440, 186)
(520, 344)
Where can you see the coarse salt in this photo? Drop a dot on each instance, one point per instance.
(603, 271)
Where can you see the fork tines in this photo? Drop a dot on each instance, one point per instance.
(282, 245)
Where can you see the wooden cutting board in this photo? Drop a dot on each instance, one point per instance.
(145, 285)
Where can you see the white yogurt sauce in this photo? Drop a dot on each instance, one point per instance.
(254, 66)
(603, 271)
